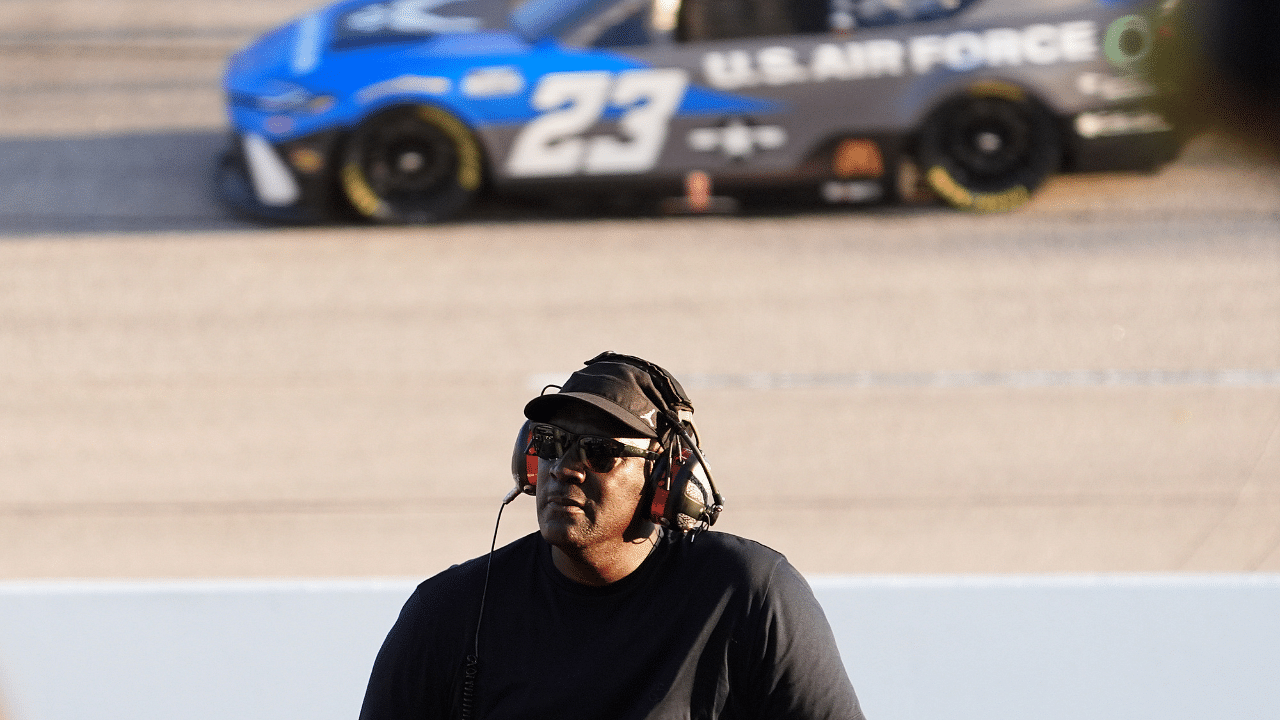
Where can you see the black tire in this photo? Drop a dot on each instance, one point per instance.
(415, 164)
(988, 153)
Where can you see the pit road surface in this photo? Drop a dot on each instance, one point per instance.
(1089, 384)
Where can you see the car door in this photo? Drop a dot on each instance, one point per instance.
(644, 97)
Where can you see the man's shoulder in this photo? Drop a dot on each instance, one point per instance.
(465, 577)
(450, 597)
(730, 544)
(734, 555)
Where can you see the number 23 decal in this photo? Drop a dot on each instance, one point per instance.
(571, 102)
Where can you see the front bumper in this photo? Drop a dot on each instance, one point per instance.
(262, 181)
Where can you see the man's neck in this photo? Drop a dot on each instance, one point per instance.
(601, 566)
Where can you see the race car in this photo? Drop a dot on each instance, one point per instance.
(402, 111)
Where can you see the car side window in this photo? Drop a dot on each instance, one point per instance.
(621, 24)
(637, 22)
(631, 29)
(699, 20)
(849, 14)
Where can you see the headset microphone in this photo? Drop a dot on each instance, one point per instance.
(511, 495)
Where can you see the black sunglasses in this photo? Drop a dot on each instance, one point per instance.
(601, 454)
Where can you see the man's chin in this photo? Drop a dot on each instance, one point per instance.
(561, 532)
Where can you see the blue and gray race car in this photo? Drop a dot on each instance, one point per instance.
(402, 111)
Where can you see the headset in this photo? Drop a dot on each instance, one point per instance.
(680, 491)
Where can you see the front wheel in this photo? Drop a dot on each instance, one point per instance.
(413, 164)
(988, 153)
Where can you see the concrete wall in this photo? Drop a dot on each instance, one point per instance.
(918, 648)
(1061, 647)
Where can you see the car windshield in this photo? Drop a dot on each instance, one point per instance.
(846, 14)
(540, 19)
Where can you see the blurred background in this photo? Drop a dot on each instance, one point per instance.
(1090, 384)
(1086, 384)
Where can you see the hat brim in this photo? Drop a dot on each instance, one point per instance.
(544, 407)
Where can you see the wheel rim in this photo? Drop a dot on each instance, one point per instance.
(403, 158)
(990, 139)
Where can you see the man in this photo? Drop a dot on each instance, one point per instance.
(623, 605)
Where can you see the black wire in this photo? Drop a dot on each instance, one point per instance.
(488, 566)
(472, 665)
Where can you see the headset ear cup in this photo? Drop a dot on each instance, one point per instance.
(524, 465)
(688, 503)
(681, 493)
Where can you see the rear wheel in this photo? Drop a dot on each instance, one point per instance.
(412, 164)
(988, 153)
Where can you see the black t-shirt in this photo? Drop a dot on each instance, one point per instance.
(720, 627)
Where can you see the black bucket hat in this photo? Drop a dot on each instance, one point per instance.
(623, 391)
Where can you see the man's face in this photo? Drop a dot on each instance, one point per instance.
(584, 511)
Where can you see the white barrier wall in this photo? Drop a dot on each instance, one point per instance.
(1060, 648)
(918, 648)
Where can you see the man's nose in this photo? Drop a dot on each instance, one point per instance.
(569, 466)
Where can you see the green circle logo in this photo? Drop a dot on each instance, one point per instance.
(1128, 40)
